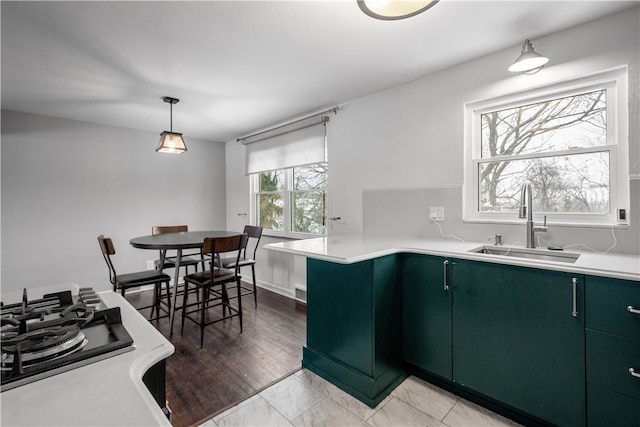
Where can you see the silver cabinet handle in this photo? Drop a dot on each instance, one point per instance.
(634, 373)
(445, 266)
(633, 310)
(574, 281)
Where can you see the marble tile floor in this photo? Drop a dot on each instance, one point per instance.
(305, 399)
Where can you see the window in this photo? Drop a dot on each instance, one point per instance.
(292, 201)
(568, 140)
(288, 168)
(270, 200)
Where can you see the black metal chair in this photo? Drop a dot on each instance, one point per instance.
(186, 260)
(211, 285)
(254, 235)
(189, 259)
(123, 282)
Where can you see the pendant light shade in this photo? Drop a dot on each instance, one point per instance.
(170, 141)
(529, 61)
(394, 9)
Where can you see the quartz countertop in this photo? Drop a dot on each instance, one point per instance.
(347, 249)
(109, 392)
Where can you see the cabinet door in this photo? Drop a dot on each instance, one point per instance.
(354, 313)
(516, 338)
(609, 358)
(613, 306)
(426, 314)
(340, 312)
(608, 408)
(613, 348)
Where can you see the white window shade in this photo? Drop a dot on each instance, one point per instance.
(283, 148)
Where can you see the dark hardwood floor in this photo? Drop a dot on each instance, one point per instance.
(231, 366)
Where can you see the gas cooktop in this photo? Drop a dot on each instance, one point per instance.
(57, 333)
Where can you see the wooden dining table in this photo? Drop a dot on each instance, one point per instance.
(178, 242)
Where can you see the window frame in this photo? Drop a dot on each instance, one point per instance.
(287, 196)
(614, 81)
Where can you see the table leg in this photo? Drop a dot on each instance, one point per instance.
(175, 288)
(163, 256)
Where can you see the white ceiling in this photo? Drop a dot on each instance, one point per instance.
(237, 66)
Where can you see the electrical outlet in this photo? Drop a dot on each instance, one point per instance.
(151, 265)
(622, 214)
(436, 213)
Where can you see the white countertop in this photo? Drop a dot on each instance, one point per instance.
(347, 249)
(109, 392)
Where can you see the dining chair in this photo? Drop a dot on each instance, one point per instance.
(254, 235)
(123, 282)
(212, 286)
(186, 260)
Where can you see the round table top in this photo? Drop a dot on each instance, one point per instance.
(181, 240)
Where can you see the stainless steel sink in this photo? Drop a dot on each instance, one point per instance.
(540, 254)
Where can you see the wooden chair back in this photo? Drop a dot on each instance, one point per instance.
(252, 232)
(215, 246)
(162, 229)
(219, 245)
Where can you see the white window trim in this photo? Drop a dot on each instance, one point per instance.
(287, 193)
(615, 81)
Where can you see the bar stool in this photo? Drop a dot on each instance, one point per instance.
(123, 282)
(254, 233)
(211, 286)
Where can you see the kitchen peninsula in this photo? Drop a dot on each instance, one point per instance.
(349, 249)
(382, 307)
(106, 392)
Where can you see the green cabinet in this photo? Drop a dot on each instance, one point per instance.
(613, 352)
(427, 313)
(548, 346)
(518, 338)
(354, 325)
(507, 334)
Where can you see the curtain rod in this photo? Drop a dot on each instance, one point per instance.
(333, 110)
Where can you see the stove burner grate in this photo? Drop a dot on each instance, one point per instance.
(23, 351)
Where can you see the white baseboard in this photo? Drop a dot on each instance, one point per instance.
(276, 289)
(293, 294)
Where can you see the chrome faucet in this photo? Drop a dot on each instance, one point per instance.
(526, 211)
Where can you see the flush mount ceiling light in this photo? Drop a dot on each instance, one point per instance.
(529, 61)
(171, 142)
(394, 9)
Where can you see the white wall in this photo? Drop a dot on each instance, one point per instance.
(65, 182)
(411, 136)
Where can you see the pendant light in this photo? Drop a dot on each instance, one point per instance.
(529, 61)
(394, 9)
(171, 142)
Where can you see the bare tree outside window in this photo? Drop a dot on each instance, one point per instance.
(309, 199)
(299, 193)
(271, 200)
(559, 145)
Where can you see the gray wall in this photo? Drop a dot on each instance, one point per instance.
(65, 182)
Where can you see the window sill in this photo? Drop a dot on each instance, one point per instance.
(290, 236)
